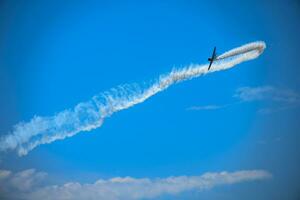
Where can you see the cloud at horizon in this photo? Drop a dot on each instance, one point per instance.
(27, 185)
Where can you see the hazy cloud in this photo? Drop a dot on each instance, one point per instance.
(207, 107)
(4, 174)
(266, 141)
(16, 185)
(24, 185)
(267, 93)
(282, 99)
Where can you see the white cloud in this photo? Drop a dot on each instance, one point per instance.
(267, 93)
(21, 181)
(4, 174)
(27, 179)
(206, 107)
(282, 99)
(16, 185)
(24, 185)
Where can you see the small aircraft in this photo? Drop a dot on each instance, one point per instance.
(213, 58)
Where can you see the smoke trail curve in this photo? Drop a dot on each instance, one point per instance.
(89, 115)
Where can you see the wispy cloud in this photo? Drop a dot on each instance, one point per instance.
(23, 184)
(206, 107)
(283, 98)
(267, 93)
(266, 141)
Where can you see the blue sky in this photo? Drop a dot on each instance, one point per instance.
(54, 55)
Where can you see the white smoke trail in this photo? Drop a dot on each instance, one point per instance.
(90, 115)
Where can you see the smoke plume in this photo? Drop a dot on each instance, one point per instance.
(89, 115)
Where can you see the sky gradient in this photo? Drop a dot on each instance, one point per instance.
(54, 55)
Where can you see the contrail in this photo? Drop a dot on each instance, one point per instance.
(89, 115)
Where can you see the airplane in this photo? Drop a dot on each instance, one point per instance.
(213, 58)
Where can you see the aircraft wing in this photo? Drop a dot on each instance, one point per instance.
(210, 63)
(214, 53)
(213, 57)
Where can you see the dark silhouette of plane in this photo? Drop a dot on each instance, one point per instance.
(213, 58)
